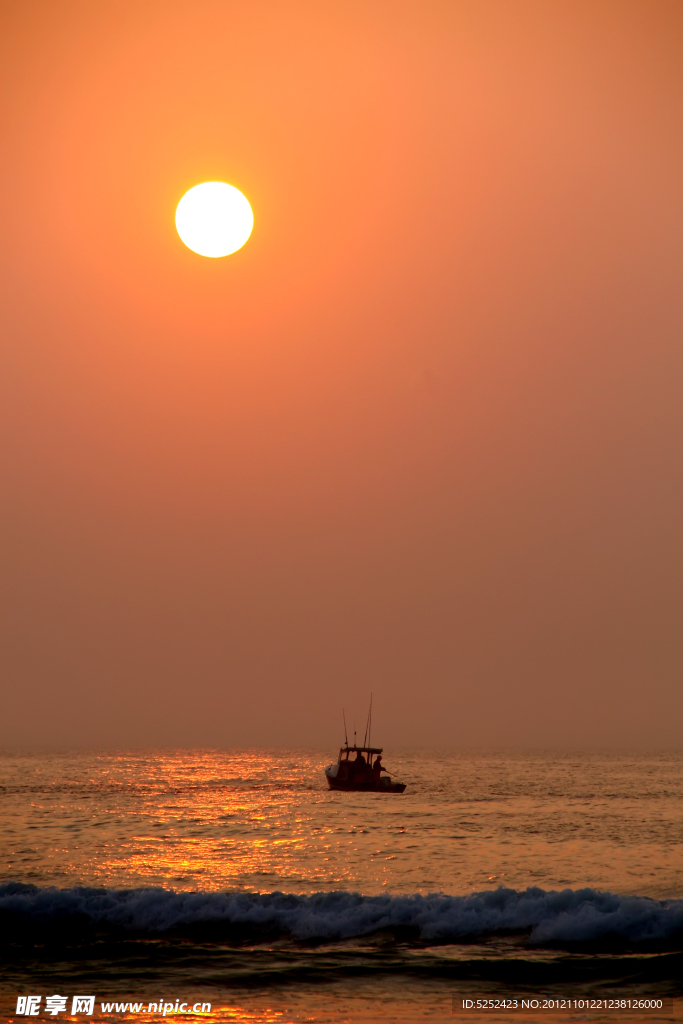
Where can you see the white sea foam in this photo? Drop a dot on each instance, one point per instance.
(583, 915)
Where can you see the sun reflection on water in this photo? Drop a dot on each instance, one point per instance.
(263, 821)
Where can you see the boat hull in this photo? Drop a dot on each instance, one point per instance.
(381, 785)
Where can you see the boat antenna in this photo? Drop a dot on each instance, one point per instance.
(368, 723)
(346, 739)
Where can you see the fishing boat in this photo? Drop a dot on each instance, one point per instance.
(363, 772)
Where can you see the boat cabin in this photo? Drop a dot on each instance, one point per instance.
(363, 755)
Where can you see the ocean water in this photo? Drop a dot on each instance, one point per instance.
(236, 879)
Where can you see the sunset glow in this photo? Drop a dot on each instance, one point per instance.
(214, 219)
(341, 525)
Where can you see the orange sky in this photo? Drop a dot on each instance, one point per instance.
(421, 436)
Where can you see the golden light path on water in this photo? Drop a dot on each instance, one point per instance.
(262, 821)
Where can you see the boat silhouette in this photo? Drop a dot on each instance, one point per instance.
(364, 772)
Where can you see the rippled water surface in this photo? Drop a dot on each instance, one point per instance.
(263, 821)
(219, 832)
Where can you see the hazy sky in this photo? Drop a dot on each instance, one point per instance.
(422, 436)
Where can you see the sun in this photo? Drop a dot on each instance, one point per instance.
(214, 219)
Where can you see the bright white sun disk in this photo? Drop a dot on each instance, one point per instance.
(214, 219)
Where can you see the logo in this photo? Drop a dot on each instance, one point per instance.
(29, 1006)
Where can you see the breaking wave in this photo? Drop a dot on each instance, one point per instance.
(545, 918)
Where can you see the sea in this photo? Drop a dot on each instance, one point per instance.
(234, 886)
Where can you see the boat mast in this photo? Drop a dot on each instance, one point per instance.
(368, 725)
(370, 728)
